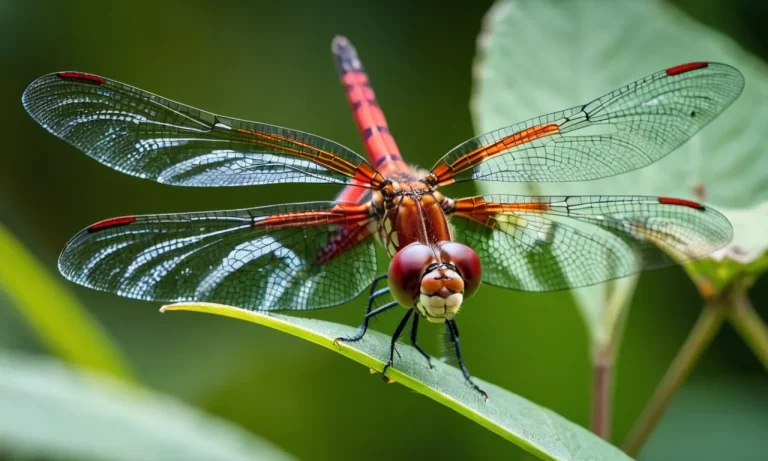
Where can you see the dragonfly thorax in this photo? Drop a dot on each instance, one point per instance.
(409, 210)
(434, 280)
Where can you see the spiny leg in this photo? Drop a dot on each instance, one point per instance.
(364, 327)
(414, 342)
(398, 330)
(373, 293)
(371, 298)
(455, 338)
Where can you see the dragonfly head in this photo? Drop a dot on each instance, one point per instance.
(434, 280)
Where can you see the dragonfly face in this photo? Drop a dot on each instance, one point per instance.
(314, 255)
(434, 279)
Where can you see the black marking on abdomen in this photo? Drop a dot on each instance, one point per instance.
(392, 157)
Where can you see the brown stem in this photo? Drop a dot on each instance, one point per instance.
(617, 297)
(602, 391)
(750, 326)
(709, 322)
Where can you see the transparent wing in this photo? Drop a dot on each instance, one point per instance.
(626, 129)
(146, 135)
(268, 258)
(556, 243)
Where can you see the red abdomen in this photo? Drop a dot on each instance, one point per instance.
(379, 143)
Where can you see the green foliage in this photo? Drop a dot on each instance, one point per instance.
(537, 430)
(744, 261)
(541, 56)
(57, 317)
(538, 56)
(239, 58)
(57, 412)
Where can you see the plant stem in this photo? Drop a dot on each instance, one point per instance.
(617, 298)
(602, 391)
(750, 326)
(709, 322)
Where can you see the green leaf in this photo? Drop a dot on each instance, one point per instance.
(540, 56)
(58, 318)
(744, 261)
(535, 429)
(54, 411)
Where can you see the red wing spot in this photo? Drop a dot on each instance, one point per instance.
(681, 202)
(88, 78)
(114, 222)
(682, 68)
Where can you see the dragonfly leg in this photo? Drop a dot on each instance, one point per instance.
(364, 327)
(415, 343)
(455, 338)
(368, 314)
(398, 330)
(374, 293)
(376, 281)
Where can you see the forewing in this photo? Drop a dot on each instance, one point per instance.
(266, 258)
(556, 243)
(146, 135)
(624, 130)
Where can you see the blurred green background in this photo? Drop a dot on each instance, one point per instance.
(271, 62)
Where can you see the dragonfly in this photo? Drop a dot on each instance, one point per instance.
(302, 256)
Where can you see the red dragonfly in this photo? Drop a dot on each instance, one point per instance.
(303, 256)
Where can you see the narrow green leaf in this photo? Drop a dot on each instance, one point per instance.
(535, 429)
(57, 317)
(53, 411)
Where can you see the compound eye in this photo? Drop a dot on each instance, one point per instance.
(406, 270)
(466, 262)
